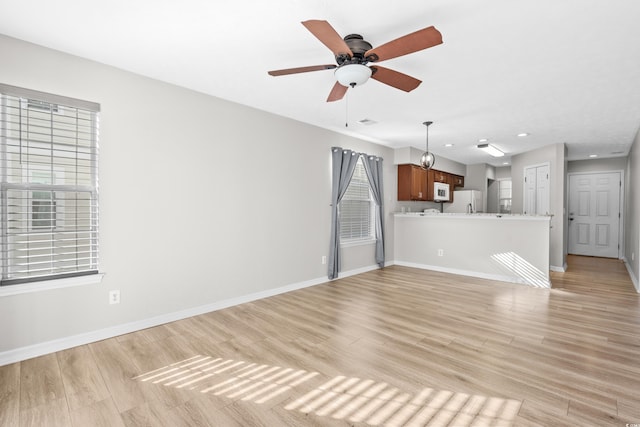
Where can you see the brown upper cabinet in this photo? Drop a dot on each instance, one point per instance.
(412, 183)
(438, 176)
(415, 183)
(457, 181)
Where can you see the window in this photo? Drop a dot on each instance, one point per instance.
(504, 196)
(49, 189)
(356, 208)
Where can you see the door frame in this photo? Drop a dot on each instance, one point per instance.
(621, 254)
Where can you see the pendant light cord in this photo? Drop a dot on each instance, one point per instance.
(427, 124)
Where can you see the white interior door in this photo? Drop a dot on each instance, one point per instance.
(594, 214)
(542, 190)
(536, 190)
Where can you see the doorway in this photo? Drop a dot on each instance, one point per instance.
(595, 214)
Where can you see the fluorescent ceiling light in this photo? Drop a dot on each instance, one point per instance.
(491, 150)
(523, 134)
(483, 140)
(448, 145)
(593, 155)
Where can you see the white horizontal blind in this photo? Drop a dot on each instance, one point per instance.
(504, 189)
(49, 191)
(356, 208)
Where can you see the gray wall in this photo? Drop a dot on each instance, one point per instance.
(503, 172)
(201, 200)
(556, 156)
(632, 212)
(597, 165)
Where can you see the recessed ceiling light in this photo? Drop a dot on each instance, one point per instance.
(523, 134)
(448, 145)
(593, 155)
(505, 163)
(483, 140)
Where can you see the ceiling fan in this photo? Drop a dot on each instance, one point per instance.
(353, 53)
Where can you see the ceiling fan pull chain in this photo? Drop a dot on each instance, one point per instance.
(346, 110)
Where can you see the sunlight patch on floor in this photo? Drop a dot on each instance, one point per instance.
(365, 401)
(341, 398)
(233, 379)
(526, 272)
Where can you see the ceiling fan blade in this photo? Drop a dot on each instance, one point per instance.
(418, 40)
(394, 78)
(301, 70)
(328, 36)
(337, 93)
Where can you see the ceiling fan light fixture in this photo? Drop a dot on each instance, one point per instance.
(490, 150)
(351, 75)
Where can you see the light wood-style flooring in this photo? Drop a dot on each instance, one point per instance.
(392, 347)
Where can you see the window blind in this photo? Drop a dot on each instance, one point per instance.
(48, 185)
(356, 207)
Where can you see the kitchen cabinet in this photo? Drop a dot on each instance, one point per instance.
(438, 176)
(412, 183)
(457, 181)
(415, 183)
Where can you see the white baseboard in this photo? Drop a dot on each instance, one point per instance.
(35, 350)
(634, 279)
(498, 277)
(558, 269)
(342, 275)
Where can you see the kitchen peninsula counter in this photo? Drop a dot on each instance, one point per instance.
(511, 248)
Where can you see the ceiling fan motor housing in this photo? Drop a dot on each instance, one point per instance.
(358, 47)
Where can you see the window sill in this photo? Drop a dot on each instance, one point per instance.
(46, 285)
(362, 242)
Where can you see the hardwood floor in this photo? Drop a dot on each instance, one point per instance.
(397, 346)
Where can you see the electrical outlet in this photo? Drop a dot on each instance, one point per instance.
(324, 259)
(440, 252)
(114, 297)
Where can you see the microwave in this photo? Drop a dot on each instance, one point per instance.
(440, 192)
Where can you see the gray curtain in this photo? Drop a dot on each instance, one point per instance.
(343, 164)
(373, 168)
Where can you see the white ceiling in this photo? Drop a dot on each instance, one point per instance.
(561, 70)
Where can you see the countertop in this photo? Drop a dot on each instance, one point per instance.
(474, 216)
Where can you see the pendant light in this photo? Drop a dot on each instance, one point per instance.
(428, 159)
